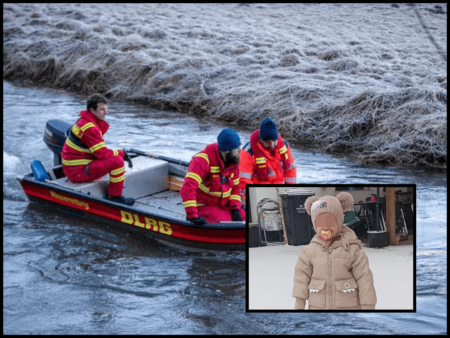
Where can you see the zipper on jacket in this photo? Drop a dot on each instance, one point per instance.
(331, 278)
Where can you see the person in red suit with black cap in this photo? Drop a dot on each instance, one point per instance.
(267, 158)
(210, 191)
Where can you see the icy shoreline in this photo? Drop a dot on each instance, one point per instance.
(361, 79)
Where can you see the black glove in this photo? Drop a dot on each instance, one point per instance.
(197, 220)
(127, 158)
(236, 215)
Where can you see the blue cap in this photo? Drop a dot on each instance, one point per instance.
(228, 140)
(268, 130)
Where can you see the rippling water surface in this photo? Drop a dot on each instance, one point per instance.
(64, 275)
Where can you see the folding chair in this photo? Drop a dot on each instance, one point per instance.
(269, 220)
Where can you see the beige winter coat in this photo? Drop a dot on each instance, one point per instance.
(331, 273)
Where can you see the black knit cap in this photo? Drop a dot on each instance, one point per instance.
(268, 130)
(228, 140)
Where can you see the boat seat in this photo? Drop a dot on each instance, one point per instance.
(148, 176)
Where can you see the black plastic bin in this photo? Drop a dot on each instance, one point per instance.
(254, 240)
(378, 239)
(298, 224)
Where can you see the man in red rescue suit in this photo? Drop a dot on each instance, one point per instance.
(210, 191)
(267, 158)
(86, 158)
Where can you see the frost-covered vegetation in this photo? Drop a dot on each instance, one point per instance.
(367, 80)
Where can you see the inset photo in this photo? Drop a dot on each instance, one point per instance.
(331, 248)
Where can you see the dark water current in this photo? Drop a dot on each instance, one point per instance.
(64, 275)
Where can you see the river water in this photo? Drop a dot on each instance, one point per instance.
(65, 275)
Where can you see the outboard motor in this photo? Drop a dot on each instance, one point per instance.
(54, 137)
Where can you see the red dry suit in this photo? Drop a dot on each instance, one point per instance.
(210, 190)
(261, 166)
(86, 158)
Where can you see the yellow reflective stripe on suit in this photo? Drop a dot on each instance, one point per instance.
(226, 193)
(118, 171)
(97, 146)
(235, 197)
(87, 126)
(203, 155)
(194, 176)
(214, 170)
(191, 203)
(116, 179)
(205, 189)
(77, 148)
(76, 162)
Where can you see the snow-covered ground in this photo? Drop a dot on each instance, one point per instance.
(271, 274)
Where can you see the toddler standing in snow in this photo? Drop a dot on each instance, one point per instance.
(332, 271)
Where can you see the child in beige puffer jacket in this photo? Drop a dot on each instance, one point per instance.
(332, 271)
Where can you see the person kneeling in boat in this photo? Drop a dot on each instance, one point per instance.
(210, 191)
(267, 158)
(85, 157)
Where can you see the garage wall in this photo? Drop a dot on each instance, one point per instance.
(256, 194)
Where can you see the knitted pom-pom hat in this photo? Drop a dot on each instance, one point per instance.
(329, 204)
